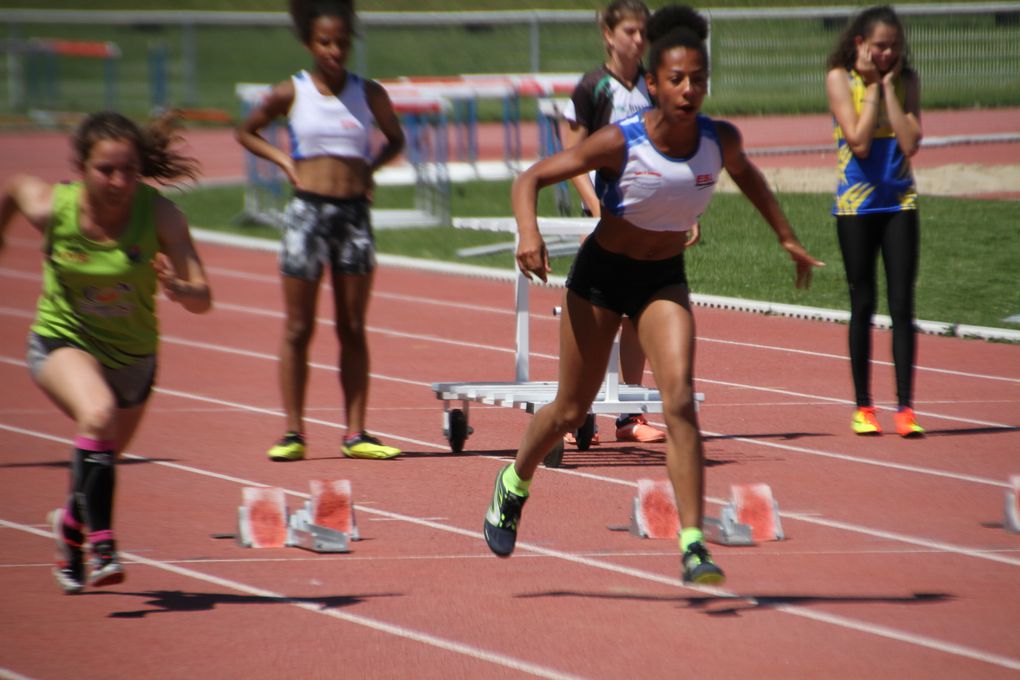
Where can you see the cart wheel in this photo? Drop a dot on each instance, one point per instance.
(585, 433)
(458, 430)
(554, 458)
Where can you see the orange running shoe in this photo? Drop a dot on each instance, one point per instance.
(635, 428)
(906, 425)
(864, 421)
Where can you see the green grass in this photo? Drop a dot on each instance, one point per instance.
(760, 66)
(969, 249)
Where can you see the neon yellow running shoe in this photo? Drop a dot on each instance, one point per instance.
(864, 421)
(364, 445)
(290, 447)
(699, 568)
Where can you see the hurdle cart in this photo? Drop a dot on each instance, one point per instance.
(530, 395)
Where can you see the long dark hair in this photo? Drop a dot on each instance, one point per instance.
(844, 54)
(676, 26)
(154, 142)
(304, 13)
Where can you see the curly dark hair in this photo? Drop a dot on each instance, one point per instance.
(304, 13)
(676, 26)
(844, 54)
(154, 143)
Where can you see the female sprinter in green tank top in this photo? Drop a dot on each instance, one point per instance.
(109, 239)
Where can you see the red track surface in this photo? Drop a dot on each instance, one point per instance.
(896, 563)
(221, 157)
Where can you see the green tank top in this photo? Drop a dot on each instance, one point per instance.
(100, 296)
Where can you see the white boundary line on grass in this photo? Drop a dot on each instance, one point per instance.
(712, 301)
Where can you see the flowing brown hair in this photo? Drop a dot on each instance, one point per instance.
(154, 142)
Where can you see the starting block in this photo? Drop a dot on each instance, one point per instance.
(752, 514)
(1012, 522)
(325, 523)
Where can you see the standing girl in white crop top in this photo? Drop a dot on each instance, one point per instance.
(330, 115)
(656, 172)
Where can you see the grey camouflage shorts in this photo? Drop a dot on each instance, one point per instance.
(320, 230)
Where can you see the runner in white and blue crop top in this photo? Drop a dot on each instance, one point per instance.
(657, 170)
(330, 114)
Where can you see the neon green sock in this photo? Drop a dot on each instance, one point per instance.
(688, 536)
(516, 485)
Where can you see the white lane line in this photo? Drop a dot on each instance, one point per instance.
(957, 476)
(8, 674)
(4, 271)
(844, 622)
(809, 518)
(317, 608)
(503, 350)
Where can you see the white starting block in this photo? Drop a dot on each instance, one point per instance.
(325, 524)
(1012, 522)
(752, 514)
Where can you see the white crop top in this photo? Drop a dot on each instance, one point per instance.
(657, 192)
(329, 125)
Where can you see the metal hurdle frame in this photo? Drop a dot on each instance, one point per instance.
(613, 397)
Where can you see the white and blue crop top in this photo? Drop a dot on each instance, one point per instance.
(657, 192)
(329, 125)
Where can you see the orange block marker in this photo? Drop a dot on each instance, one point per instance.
(755, 506)
(331, 505)
(655, 514)
(262, 517)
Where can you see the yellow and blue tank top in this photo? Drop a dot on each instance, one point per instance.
(100, 296)
(882, 182)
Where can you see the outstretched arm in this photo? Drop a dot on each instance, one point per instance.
(29, 196)
(177, 265)
(752, 183)
(604, 149)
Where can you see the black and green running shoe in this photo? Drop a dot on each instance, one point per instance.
(699, 567)
(502, 517)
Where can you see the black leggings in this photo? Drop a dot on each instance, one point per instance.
(861, 237)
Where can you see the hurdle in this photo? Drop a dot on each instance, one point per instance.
(613, 397)
(34, 71)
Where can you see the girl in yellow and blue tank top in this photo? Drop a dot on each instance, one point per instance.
(874, 97)
(882, 181)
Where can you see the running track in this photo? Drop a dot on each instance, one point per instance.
(896, 565)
